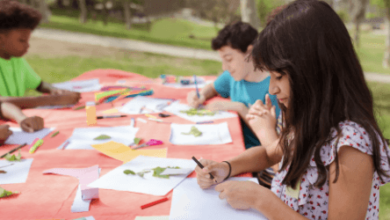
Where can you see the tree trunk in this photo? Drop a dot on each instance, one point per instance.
(127, 13)
(44, 10)
(249, 13)
(386, 58)
(83, 11)
(356, 37)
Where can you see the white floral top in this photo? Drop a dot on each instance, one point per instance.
(312, 202)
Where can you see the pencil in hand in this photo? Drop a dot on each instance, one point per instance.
(201, 166)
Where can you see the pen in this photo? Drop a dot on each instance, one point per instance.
(201, 166)
(36, 145)
(13, 150)
(154, 203)
(111, 116)
(196, 86)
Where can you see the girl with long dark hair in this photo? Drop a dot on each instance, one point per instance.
(333, 155)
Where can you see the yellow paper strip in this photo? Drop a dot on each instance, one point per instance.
(124, 153)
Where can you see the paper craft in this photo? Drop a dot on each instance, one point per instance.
(20, 137)
(177, 108)
(15, 173)
(80, 86)
(84, 194)
(152, 218)
(143, 105)
(190, 202)
(83, 138)
(5, 193)
(211, 134)
(124, 153)
(148, 184)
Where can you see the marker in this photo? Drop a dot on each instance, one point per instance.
(154, 203)
(201, 166)
(36, 145)
(196, 86)
(111, 116)
(55, 134)
(13, 150)
(205, 122)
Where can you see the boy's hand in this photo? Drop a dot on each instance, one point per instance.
(225, 106)
(4, 133)
(56, 91)
(67, 98)
(194, 101)
(32, 124)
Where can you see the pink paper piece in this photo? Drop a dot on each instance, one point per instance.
(152, 142)
(85, 176)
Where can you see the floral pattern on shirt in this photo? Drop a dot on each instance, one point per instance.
(312, 202)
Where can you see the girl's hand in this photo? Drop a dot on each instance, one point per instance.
(240, 194)
(32, 124)
(5, 132)
(262, 116)
(218, 170)
(193, 100)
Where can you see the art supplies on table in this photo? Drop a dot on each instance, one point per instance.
(211, 134)
(183, 81)
(90, 85)
(201, 166)
(144, 105)
(55, 134)
(34, 146)
(151, 142)
(83, 138)
(13, 150)
(84, 193)
(20, 137)
(190, 202)
(90, 110)
(148, 184)
(154, 203)
(180, 109)
(15, 171)
(111, 116)
(124, 153)
(116, 93)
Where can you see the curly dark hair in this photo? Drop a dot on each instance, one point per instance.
(16, 15)
(238, 35)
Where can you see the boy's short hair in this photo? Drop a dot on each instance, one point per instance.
(15, 15)
(238, 35)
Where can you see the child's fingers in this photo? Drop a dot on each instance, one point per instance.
(268, 102)
(273, 111)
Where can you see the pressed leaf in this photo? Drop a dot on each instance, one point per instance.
(102, 137)
(5, 193)
(3, 171)
(129, 172)
(198, 112)
(194, 131)
(137, 140)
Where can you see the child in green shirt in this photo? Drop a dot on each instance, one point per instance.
(17, 21)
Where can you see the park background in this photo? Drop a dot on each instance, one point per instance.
(187, 26)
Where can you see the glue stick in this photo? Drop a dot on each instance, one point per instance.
(91, 113)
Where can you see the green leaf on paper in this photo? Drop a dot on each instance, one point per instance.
(198, 112)
(158, 170)
(5, 193)
(137, 140)
(102, 137)
(194, 131)
(129, 172)
(12, 157)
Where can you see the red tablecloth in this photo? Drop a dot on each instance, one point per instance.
(51, 196)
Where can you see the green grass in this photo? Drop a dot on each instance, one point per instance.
(371, 53)
(165, 31)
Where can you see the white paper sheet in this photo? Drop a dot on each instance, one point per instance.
(80, 86)
(170, 171)
(16, 173)
(211, 134)
(80, 205)
(152, 217)
(201, 84)
(142, 105)
(117, 180)
(21, 137)
(176, 107)
(82, 138)
(190, 202)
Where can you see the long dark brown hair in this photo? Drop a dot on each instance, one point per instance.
(309, 43)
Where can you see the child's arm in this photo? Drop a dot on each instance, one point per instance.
(206, 93)
(45, 87)
(33, 102)
(4, 133)
(28, 124)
